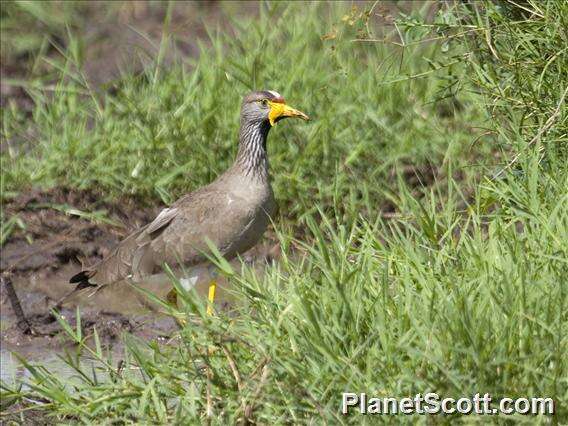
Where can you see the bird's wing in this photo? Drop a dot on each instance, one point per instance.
(176, 236)
(116, 266)
(213, 216)
(162, 220)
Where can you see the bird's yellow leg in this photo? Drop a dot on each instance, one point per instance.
(210, 301)
(211, 297)
(172, 300)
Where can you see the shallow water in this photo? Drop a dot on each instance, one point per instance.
(13, 371)
(107, 308)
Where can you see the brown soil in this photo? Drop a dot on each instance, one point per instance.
(53, 245)
(53, 238)
(54, 241)
(118, 38)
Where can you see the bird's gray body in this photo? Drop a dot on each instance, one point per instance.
(231, 213)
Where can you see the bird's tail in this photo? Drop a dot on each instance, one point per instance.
(82, 279)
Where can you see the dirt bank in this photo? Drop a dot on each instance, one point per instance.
(51, 234)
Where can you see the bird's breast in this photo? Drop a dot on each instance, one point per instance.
(252, 207)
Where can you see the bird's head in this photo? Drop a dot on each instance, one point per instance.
(267, 106)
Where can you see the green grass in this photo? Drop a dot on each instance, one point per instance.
(169, 131)
(403, 282)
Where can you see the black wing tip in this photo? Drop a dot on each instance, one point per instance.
(81, 276)
(82, 279)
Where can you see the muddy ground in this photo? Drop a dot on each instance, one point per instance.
(117, 38)
(47, 239)
(52, 245)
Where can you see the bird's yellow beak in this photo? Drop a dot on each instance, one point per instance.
(281, 110)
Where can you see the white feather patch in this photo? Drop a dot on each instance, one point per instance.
(189, 282)
(162, 219)
(275, 94)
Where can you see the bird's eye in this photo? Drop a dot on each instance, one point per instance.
(264, 102)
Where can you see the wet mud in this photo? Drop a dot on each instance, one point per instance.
(54, 233)
(58, 232)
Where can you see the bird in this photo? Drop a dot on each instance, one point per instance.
(231, 213)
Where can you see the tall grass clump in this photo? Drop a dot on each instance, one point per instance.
(518, 59)
(436, 302)
(460, 289)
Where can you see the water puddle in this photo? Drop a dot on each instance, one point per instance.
(13, 372)
(113, 311)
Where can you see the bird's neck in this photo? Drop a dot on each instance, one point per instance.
(252, 160)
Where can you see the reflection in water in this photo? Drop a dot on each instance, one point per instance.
(13, 372)
(10, 368)
(38, 295)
